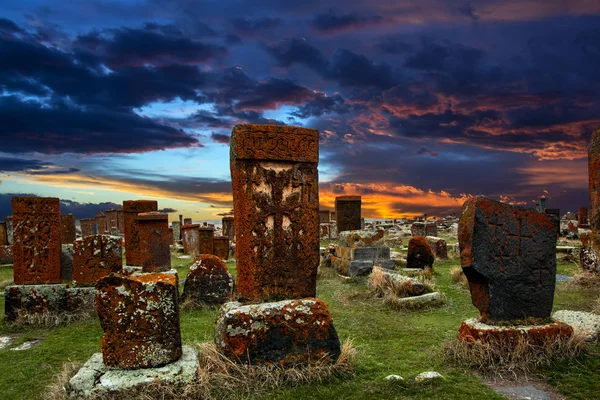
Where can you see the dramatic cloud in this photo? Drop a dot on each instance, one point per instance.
(332, 22)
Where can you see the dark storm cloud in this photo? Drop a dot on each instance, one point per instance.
(10, 164)
(444, 56)
(79, 210)
(333, 22)
(220, 138)
(249, 26)
(167, 210)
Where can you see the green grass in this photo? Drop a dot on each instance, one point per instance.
(389, 342)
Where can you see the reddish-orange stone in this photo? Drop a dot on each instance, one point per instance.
(419, 254)
(95, 257)
(3, 234)
(205, 240)
(140, 318)
(112, 221)
(221, 247)
(208, 281)
(536, 335)
(87, 226)
(594, 180)
(155, 239)
(131, 209)
(67, 226)
(6, 256)
(190, 238)
(229, 227)
(37, 247)
(101, 223)
(276, 202)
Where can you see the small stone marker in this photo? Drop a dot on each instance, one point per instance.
(95, 257)
(205, 240)
(221, 247)
(131, 209)
(348, 213)
(190, 239)
(419, 254)
(418, 229)
(582, 217)
(188, 221)
(155, 241)
(27, 345)
(101, 223)
(3, 234)
(208, 281)
(67, 228)
(438, 246)
(508, 254)
(276, 201)
(140, 318)
(229, 227)
(87, 226)
(428, 376)
(37, 246)
(112, 221)
(176, 231)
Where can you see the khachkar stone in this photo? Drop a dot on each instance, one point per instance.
(221, 247)
(9, 230)
(95, 257)
(206, 235)
(140, 318)
(276, 203)
(131, 209)
(188, 221)
(348, 213)
(3, 234)
(508, 254)
(229, 227)
(582, 217)
(120, 222)
(189, 238)
(67, 227)
(37, 246)
(594, 180)
(101, 223)
(208, 281)
(176, 226)
(420, 254)
(112, 221)
(87, 226)
(155, 240)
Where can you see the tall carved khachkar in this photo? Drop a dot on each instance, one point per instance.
(348, 213)
(276, 203)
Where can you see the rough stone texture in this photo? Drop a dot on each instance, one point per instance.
(418, 229)
(188, 221)
(282, 333)
(229, 227)
(221, 247)
(66, 263)
(582, 217)
(33, 299)
(208, 281)
(583, 323)
(80, 300)
(101, 223)
(421, 300)
(431, 229)
(276, 202)
(140, 318)
(428, 376)
(131, 209)
(473, 330)
(348, 213)
(95, 257)
(439, 247)
(349, 267)
(324, 216)
(588, 256)
(94, 378)
(6, 255)
(87, 226)
(112, 221)
(508, 254)
(594, 180)
(3, 235)
(176, 226)
(412, 287)
(190, 239)
(37, 249)
(362, 238)
(121, 222)
(10, 237)
(67, 228)
(419, 254)
(205, 240)
(155, 241)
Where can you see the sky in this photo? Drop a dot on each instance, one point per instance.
(419, 104)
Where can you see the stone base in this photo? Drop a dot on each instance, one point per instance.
(359, 267)
(472, 330)
(94, 377)
(583, 323)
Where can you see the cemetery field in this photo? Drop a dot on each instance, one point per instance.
(404, 343)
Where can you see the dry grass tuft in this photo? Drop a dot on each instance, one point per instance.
(384, 287)
(585, 279)
(6, 282)
(596, 306)
(49, 320)
(220, 378)
(520, 358)
(458, 276)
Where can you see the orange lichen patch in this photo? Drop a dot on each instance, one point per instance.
(472, 330)
(348, 213)
(155, 240)
(140, 318)
(95, 257)
(419, 254)
(282, 334)
(208, 281)
(131, 209)
(37, 240)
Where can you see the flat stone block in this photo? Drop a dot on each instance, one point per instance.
(583, 323)
(33, 299)
(94, 377)
(421, 300)
(80, 299)
(473, 330)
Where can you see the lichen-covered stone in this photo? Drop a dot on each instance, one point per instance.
(36, 249)
(6, 256)
(361, 238)
(283, 333)
(176, 226)
(112, 221)
(348, 213)
(418, 229)
(584, 323)
(438, 246)
(140, 318)
(410, 286)
(419, 253)
(131, 209)
(582, 217)
(276, 202)
(95, 257)
(33, 299)
(208, 281)
(431, 229)
(473, 330)
(155, 241)
(67, 228)
(80, 300)
(508, 254)
(221, 247)
(229, 227)
(66, 262)
(190, 238)
(10, 237)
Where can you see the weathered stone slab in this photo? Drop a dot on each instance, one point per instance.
(411, 286)
(431, 229)
(229, 227)
(155, 241)
(131, 209)
(112, 221)
(420, 300)
(101, 223)
(10, 237)
(582, 217)
(221, 247)
(27, 345)
(95, 257)
(362, 238)
(508, 254)
(419, 253)
(176, 226)
(3, 234)
(66, 262)
(80, 300)
(67, 228)
(438, 246)
(418, 229)
(594, 180)
(140, 318)
(208, 281)
(348, 213)
(94, 377)
(350, 267)
(473, 330)
(276, 203)
(188, 221)
(324, 216)
(190, 239)
(282, 333)
(205, 240)
(584, 323)
(33, 299)
(37, 246)
(87, 226)
(6, 255)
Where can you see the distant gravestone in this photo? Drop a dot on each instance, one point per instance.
(508, 254)
(67, 227)
(208, 281)
(155, 241)
(582, 217)
(176, 226)
(221, 247)
(229, 227)
(190, 239)
(9, 230)
(95, 257)
(131, 209)
(348, 213)
(87, 226)
(419, 253)
(206, 235)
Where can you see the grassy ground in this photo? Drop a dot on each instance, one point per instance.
(390, 342)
